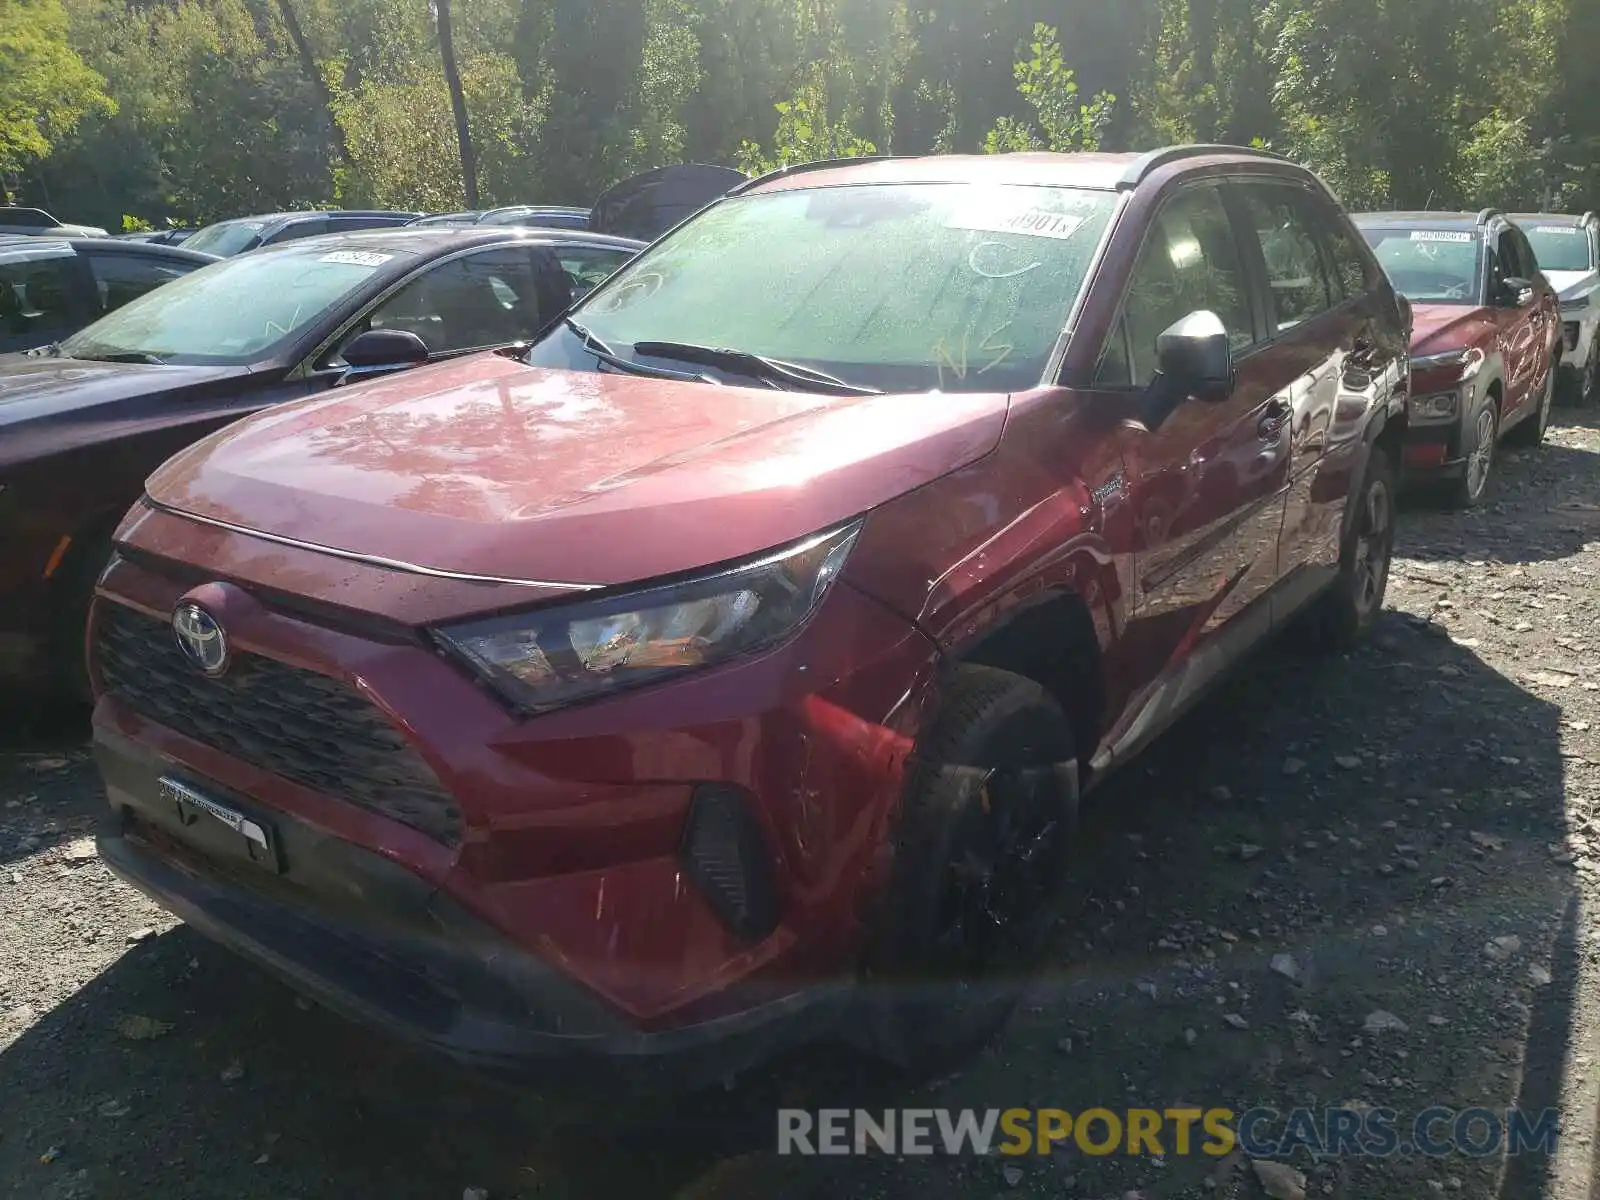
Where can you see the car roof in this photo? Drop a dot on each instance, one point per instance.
(427, 241)
(1096, 171)
(1553, 218)
(1419, 219)
(107, 244)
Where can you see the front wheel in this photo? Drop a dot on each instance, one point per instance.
(1351, 606)
(980, 858)
(1482, 431)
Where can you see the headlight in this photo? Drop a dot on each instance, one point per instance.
(1435, 406)
(1453, 366)
(552, 657)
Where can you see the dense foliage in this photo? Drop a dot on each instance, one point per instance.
(133, 111)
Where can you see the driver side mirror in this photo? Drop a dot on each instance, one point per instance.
(1193, 358)
(1515, 292)
(380, 350)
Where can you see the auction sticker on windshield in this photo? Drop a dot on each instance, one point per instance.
(356, 258)
(1563, 230)
(1032, 222)
(1439, 235)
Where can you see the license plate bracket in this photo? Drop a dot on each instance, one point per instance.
(222, 827)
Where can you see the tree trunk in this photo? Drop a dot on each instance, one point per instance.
(308, 64)
(458, 103)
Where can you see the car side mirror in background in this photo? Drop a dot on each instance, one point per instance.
(1193, 358)
(1515, 292)
(379, 350)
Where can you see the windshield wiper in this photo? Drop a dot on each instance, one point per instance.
(611, 358)
(127, 356)
(757, 366)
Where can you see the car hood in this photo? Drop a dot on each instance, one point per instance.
(51, 403)
(487, 467)
(1436, 328)
(1569, 284)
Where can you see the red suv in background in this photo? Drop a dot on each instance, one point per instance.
(727, 670)
(1485, 345)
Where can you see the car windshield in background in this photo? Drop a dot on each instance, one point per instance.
(235, 311)
(1560, 247)
(900, 287)
(226, 237)
(1430, 266)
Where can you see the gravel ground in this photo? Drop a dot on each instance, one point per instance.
(1381, 819)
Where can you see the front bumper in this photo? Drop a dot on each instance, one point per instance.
(1433, 452)
(567, 861)
(416, 966)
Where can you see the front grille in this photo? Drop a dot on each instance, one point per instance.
(1570, 333)
(305, 727)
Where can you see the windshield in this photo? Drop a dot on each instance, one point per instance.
(1430, 266)
(236, 311)
(1560, 247)
(898, 287)
(226, 237)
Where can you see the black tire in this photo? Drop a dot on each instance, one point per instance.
(1589, 376)
(980, 857)
(1352, 605)
(1531, 429)
(78, 574)
(1480, 432)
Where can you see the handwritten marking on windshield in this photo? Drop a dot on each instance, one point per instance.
(273, 329)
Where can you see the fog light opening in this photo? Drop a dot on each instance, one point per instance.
(725, 854)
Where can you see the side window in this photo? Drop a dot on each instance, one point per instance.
(1349, 263)
(42, 299)
(1189, 262)
(481, 300)
(298, 230)
(1285, 224)
(586, 267)
(118, 278)
(1530, 260)
(1512, 265)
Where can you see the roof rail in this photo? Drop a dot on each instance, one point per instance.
(821, 164)
(1140, 168)
(1487, 215)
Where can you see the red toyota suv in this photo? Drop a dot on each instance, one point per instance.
(727, 670)
(1486, 341)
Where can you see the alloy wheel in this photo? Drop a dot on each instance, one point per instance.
(1374, 546)
(1482, 457)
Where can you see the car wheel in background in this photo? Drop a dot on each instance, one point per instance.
(1479, 435)
(980, 857)
(1350, 607)
(1530, 430)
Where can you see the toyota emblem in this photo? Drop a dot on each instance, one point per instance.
(200, 638)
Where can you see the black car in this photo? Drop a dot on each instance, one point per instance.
(161, 237)
(32, 221)
(50, 287)
(84, 422)
(528, 216)
(239, 234)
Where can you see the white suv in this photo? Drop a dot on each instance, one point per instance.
(1568, 250)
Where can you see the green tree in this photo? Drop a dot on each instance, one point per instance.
(1051, 90)
(45, 88)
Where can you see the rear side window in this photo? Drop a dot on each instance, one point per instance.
(297, 230)
(42, 298)
(1190, 262)
(119, 278)
(1286, 226)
